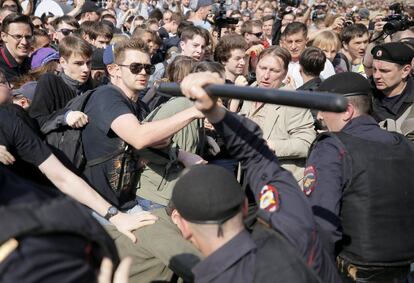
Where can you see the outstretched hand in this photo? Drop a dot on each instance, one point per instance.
(127, 223)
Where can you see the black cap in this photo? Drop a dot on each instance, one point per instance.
(97, 60)
(394, 52)
(346, 84)
(207, 194)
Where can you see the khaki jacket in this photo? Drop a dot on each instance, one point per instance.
(289, 131)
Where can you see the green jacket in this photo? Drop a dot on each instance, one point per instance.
(162, 169)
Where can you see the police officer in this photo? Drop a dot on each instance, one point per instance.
(393, 94)
(210, 215)
(359, 182)
(281, 202)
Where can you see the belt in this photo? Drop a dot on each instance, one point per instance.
(378, 274)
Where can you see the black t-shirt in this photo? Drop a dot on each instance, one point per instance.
(105, 105)
(21, 141)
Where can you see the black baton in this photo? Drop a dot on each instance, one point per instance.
(305, 99)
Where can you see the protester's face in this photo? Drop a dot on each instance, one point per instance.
(258, 14)
(236, 62)
(77, 67)
(287, 19)
(101, 41)
(267, 12)
(205, 11)
(267, 28)
(11, 5)
(134, 82)
(123, 5)
(153, 48)
(63, 30)
(194, 48)
(37, 23)
(357, 46)
(270, 72)
(18, 39)
(387, 76)
(330, 51)
(166, 18)
(243, 5)
(253, 37)
(238, 27)
(185, 3)
(295, 43)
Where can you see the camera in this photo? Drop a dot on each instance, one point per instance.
(221, 20)
(396, 23)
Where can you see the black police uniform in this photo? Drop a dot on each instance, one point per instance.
(246, 257)
(386, 108)
(359, 183)
(10, 67)
(281, 202)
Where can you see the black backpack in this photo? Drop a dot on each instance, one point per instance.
(67, 143)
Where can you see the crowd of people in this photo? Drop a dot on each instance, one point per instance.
(105, 177)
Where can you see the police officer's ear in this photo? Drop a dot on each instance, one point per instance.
(182, 224)
(406, 70)
(350, 112)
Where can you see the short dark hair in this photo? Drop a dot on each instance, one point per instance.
(130, 44)
(227, 44)
(268, 18)
(16, 18)
(277, 51)
(312, 60)
(247, 26)
(69, 20)
(361, 102)
(74, 45)
(213, 67)
(19, 7)
(352, 31)
(294, 28)
(191, 31)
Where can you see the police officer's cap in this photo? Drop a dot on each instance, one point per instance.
(207, 194)
(395, 52)
(346, 84)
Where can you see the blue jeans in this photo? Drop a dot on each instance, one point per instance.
(148, 205)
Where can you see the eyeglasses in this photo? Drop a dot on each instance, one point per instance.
(136, 68)
(257, 34)
(18, 37)
(66, 31)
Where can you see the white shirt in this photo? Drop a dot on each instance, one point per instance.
(294, 72)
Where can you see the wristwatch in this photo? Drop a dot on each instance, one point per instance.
(112, 211)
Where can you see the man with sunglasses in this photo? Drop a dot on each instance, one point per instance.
(17, 37)
(115, 131)
(64, 26)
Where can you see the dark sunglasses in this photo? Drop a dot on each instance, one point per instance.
(258, 34)
(136, 68)
(67, 32)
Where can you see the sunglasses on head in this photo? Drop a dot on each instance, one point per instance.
(136, 68)
(66, 32)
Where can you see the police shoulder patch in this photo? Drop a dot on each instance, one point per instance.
(269, 198)
(309, 180)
